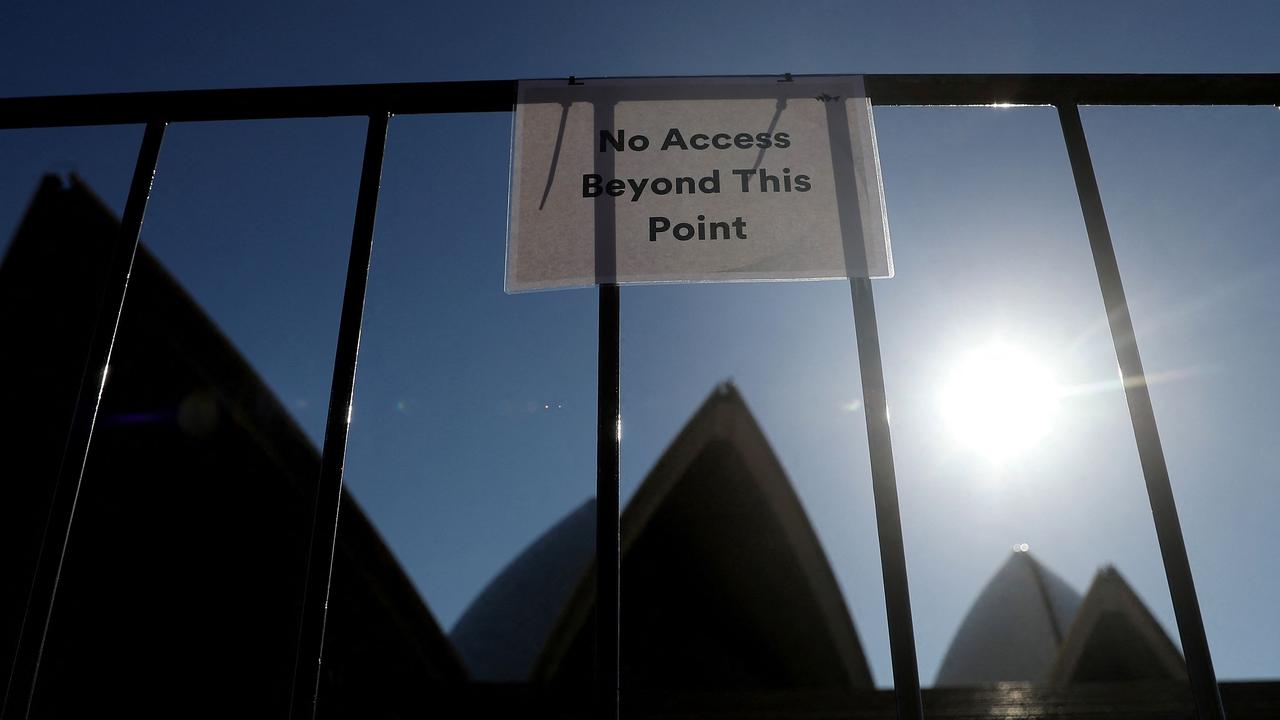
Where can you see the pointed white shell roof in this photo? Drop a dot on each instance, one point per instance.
(1114, 638)
(530, 617)
(504, 629)
(1014, 629)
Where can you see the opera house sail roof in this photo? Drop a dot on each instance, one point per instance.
(1114, 637)
(503, 631)
(191, 513)
(1029, 625)
(1014, 628)
(724, 583)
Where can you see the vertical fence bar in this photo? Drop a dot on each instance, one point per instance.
(608, 437)
(1173, 549)
(328, 497)
(884, 485)
(20, 691)
(608, 538)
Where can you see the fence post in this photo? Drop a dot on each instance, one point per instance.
(884, 486)
(1173, 549)
(20, 690)
(328, 494)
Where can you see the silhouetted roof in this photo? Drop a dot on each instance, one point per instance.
(1028, 625)
(1014, 629)
(505, 628)
(1115, 638)
(194, 511)
(724, 581)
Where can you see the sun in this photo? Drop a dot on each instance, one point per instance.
(999, 401)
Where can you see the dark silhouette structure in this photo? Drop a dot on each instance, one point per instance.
(725, 587)
(1029, 625)
(182, 580)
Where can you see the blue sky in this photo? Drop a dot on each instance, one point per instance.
(474, 420)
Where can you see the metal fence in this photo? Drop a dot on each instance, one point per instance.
(379, 102)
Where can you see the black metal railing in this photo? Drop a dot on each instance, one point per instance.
(379, 102)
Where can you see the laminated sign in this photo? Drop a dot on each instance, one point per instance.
(694, 180)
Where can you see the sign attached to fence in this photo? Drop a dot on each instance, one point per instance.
(694, 180)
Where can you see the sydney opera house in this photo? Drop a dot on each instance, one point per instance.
(181, 583)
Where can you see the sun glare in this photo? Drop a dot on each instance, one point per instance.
(999, 402)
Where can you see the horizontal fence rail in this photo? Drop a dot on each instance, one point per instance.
(499, 96)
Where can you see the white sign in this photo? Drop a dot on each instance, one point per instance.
(694, 180)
